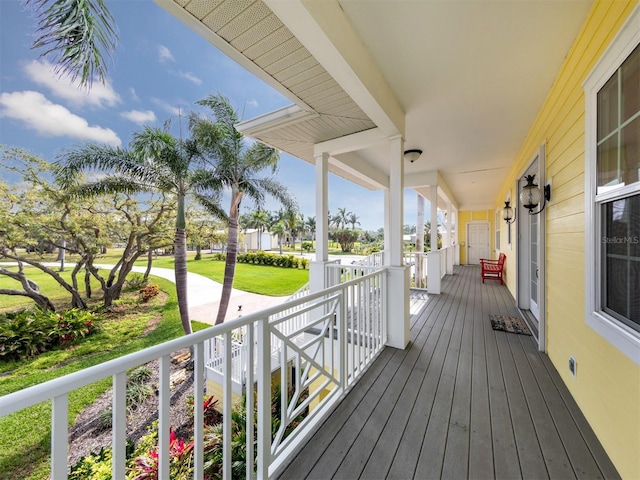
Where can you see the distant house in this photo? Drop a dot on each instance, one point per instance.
(254, 241)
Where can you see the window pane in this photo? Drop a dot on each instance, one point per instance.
(630, 153)
(631, 85)
(621, 254)
(608, 163)
(608, 107)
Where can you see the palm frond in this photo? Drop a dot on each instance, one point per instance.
(76, 34)
(107, 186)
(211, 204)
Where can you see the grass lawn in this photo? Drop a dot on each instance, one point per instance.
(262, 279)
(25, 435)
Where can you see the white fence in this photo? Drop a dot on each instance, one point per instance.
(343, 330)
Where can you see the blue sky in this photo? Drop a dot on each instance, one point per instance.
(161, 67)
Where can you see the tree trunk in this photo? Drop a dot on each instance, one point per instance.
(40, 300)
(147, 272)
(180, 265)
(87, 283)
(232, 255)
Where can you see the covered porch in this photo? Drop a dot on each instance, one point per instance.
(462, 401)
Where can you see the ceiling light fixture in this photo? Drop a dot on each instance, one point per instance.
(412, 155)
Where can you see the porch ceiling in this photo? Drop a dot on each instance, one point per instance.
(461, 80)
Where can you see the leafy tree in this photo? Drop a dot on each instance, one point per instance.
(75, 34)
(346, 238)
(155, 162)
(237, 164)
(37, 212)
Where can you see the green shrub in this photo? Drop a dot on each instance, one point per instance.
(27, 333)
(137, 393)
(140, 375)
(272, 259)
(136, 281)
(307, 246)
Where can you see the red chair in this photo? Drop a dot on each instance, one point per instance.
(492, 269)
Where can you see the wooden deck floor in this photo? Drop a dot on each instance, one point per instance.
(463, 401)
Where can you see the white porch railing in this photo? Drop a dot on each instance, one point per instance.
(376, 259)
(343, 331)
(417, 262)
(443, 260)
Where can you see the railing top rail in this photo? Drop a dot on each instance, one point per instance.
(59, 386)
(372, 268)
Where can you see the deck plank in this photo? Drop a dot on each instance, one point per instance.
(462, 401)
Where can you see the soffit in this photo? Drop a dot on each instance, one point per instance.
(260, 42)
(471, 75)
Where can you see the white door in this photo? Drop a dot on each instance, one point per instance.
(534, 268)
(530, 258)
(477, 242)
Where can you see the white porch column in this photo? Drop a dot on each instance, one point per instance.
(386, 259)
(317, 267)
(433, 257)
(398, 282)
(450, 255)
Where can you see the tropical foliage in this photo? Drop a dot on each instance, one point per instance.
(238, 167)
(75, 35)
(28, 333)
(155, 162)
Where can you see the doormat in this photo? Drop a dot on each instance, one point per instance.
(509, 324)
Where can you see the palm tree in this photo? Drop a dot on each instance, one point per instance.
(155, 161)
(259, 220)
(310, 225)
(279, 229)
(236, 164)
(352, 218)
(341, 218)
(75, 34)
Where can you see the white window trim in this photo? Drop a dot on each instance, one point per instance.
(618, 334)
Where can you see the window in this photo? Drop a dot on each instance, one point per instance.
(612, 192)
(618, 165)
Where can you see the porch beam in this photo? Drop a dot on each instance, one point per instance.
(356, 166)
(351, 143)
(324, 30)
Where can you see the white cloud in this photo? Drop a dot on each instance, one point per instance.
(164, 54)
(141, 117)
(191, 77)
(172, 109)
(39, 114)
(252, 103)
(134, 95)
(43, 73)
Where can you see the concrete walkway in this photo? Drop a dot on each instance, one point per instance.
(203, 296)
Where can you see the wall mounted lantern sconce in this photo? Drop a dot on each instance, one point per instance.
(508, 213)
(412, 155)
(531, 196)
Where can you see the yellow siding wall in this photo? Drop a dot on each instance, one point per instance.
(466, 216)
(607, 386)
